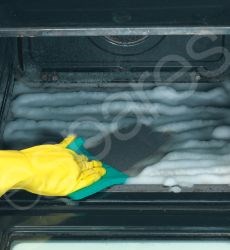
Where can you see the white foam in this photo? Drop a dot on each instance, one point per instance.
(222, 132)
(198, 123)
(182, 180)
(161, 94)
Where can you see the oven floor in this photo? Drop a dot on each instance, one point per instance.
(196, 120)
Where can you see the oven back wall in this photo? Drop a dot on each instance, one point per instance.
(124, 53)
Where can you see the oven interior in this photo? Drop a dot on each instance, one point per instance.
(176, 85)
(95, 67)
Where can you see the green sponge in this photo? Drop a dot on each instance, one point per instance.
(112, 176)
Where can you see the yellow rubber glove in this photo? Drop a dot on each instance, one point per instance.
(51, 170)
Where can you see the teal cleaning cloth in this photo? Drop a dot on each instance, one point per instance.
(112, 176)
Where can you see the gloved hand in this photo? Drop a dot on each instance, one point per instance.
(51, 170)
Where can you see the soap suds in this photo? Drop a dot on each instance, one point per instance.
(197, 122)
(222, 132)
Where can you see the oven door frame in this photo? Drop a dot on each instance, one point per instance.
(117, 216)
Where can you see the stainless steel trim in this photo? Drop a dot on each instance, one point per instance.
(100, 31)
